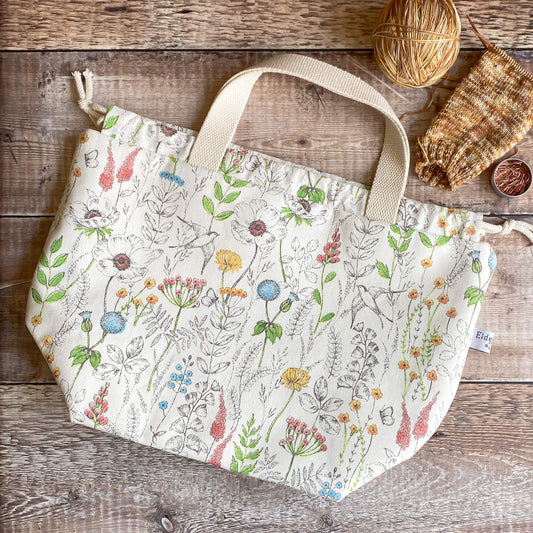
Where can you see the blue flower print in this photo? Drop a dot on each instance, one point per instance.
(163, 405)
(493, 261)
(268, 290)
(113, 322)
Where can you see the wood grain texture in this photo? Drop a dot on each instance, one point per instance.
(200, 24)
(287, 118)
(475, 474)
(507, 310)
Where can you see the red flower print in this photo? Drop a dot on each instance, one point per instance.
(421, 426)
(107, 176)
(218, 427)
(216, 458)
(98, 407)
(126, 170)
(404, 433)
(331, 250)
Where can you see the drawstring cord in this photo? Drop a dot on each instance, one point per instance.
(508, 226)
(95, 111)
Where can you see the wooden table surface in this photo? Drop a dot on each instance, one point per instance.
(166, 60)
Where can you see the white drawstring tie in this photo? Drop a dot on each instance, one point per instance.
(508, 226)
(95, 111)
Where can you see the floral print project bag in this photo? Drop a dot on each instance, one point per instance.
(247, 312)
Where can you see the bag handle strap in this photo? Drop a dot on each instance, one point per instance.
(222, 119)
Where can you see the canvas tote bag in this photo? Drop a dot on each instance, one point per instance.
(248, 312)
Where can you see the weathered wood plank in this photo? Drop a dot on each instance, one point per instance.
(261, 24)
(40, 121)
(477, 469)
(507, 310)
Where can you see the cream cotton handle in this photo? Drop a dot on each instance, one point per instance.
(221, 122)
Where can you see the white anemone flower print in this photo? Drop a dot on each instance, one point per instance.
(258, 223)
(96, 214)
(125, 258)
(304, 211)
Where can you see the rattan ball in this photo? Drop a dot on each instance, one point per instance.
(417, 41)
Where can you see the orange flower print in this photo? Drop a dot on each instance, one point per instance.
(49, 358)
(436, 340)
(429, 302)
(443, 299)
(451, 313)
(56, 372)
(344, 418)
(152, 299)
(36, 320)
(470, 230)
(353, 428)
(137, 302)
(413, 375)
(415, 352)
(84, 138)
(413, 294)
(432, 375)
(47, 341)
(439, 283)
(426, 263)
(403, 365)
(355, 405)
(442, 223)
(76, 172)
(372, 429)
(122, 293)
(377, 394)
(452, 211)
(149, 283)
(453, 231)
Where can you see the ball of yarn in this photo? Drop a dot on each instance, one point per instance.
(417, 41)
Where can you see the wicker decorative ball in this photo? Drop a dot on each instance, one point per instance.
(417, 41)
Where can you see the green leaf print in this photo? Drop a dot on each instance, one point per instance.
(208, 205)
(383, 270)
(41, 278)
(57, 279)
(317, 297)
(110, 122)
(395, 229)
(59, 260)
(327, 317)
(44, 261)
(224, 215)
(426, 241)
(96, 357)
(259, 327)
(55, 296)
(442, 240)
(36, 296)
(238, 184)
(302, 191)
(330, 277)
(245, 456)
(317, 196)
(56, 245)
(229, 198)
(218, 191)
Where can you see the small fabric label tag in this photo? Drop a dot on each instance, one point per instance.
(482, 340)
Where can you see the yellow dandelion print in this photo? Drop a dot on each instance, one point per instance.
(295, 378)
(228, 261)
